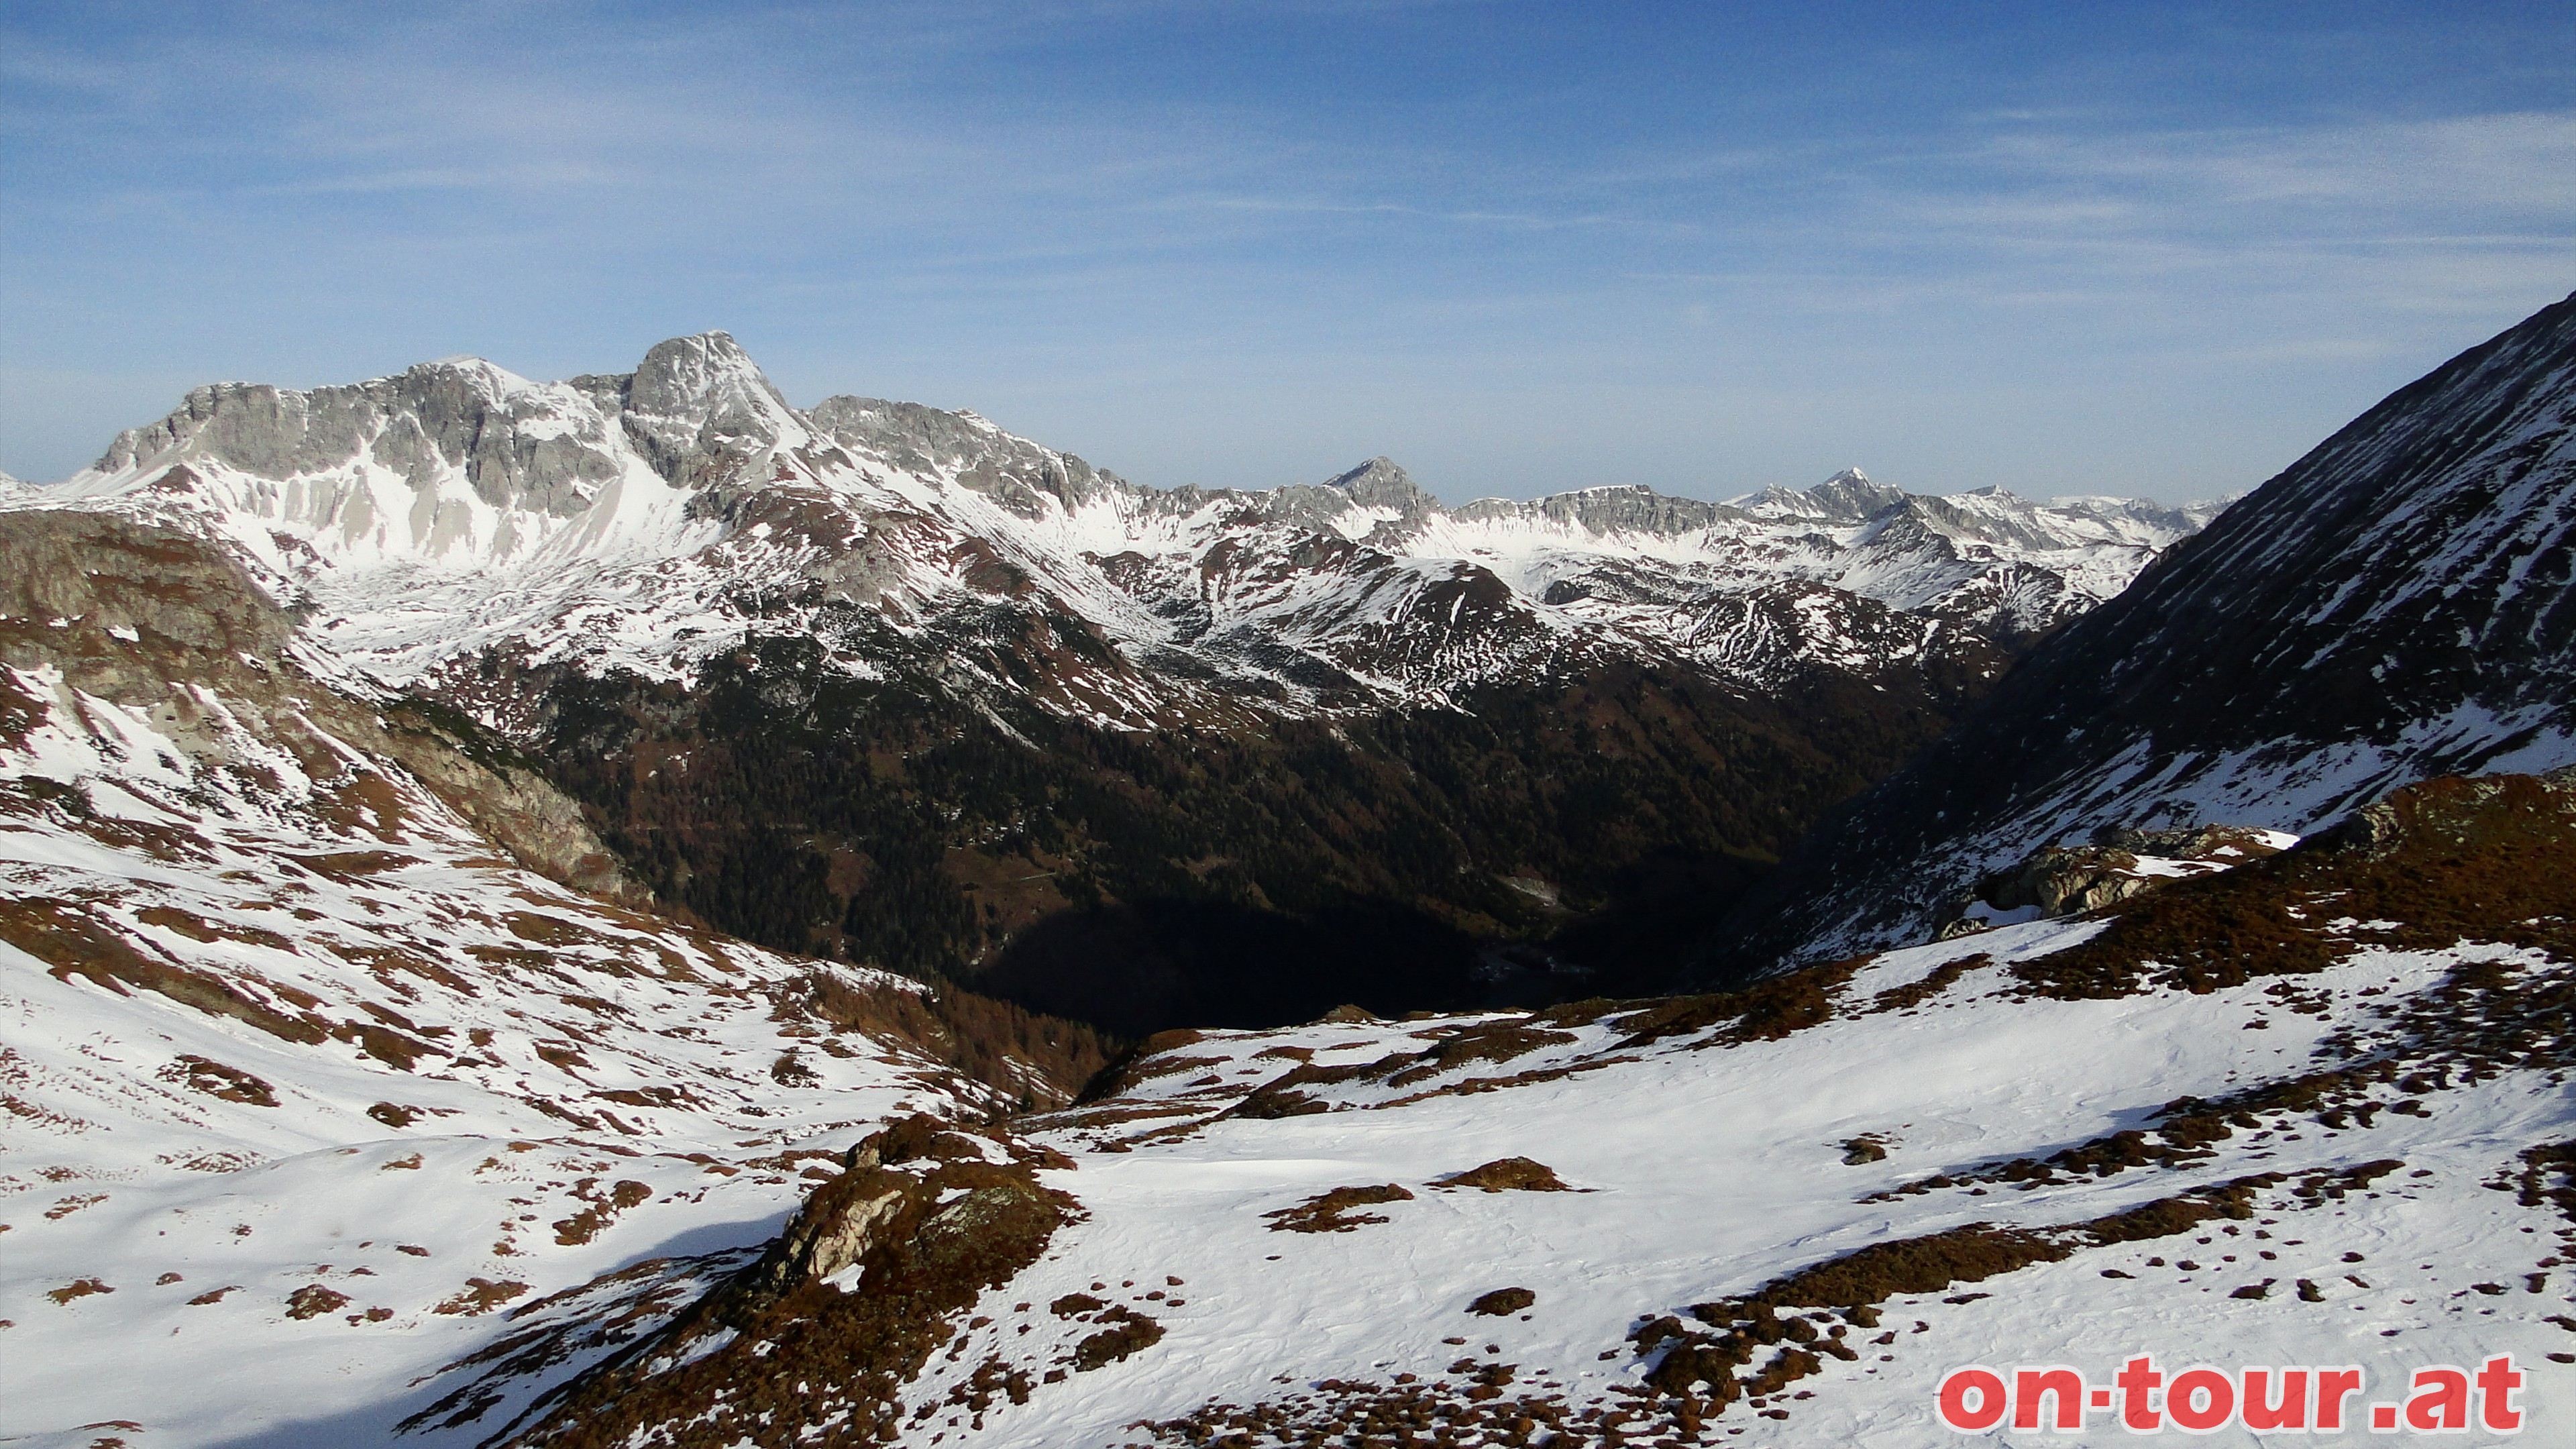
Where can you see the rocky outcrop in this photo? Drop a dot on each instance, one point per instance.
(2117, 866)
(799, 1346)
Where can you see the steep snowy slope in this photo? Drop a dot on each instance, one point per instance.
(2393, 606)
(313, 1051)
(2306, 1112)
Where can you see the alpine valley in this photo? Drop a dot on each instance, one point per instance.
(888, 685)
(625, 912)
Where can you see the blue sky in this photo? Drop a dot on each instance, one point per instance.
(1518, 247)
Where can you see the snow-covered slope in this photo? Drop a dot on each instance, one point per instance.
(644, 522)
(2394, 605)
(2333, 1134)
(312, 1057)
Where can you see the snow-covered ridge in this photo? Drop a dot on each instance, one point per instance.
(621, 522)
(2394, 605)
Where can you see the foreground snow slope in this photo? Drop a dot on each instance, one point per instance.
(310, 1061)
(343, 1121)
(2309, 1111)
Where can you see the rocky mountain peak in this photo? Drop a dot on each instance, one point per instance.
(1847, 497)
(701, 377)
(1851, 495)
(1379, 483)
(699, 408)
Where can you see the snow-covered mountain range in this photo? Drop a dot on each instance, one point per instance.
(787, 658)
(646, 521)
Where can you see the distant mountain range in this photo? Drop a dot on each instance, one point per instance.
(651, 520)
(890, 684)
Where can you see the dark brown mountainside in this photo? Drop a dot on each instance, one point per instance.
(1536, 844)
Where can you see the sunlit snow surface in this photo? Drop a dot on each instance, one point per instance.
(1701, 1173)
(561, 1048)
(1699, 1169)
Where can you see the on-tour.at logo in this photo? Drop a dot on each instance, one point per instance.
(2202, 1399)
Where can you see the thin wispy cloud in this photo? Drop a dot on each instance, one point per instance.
(1241, 243)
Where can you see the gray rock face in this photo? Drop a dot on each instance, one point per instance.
(1014, 471)
(698, 408)
(1631, 508)
(450, 414)
(1847, 497)
(1379, 483)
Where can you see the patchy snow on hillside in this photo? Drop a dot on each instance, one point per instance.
(305, 1087)
(1694, 1167)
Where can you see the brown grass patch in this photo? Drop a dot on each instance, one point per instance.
(2449, 860)
(1126, 1332)
(1941, 978)
(72, 943)
(1330, 1212)
(200, 928)
(1507, 1174)
(1037, 1061)
(313, 1300)
(479, 1296)
(213, 1078)
(353, 865)
(1492, 1042)
(1764, 1011)
(370, 803)
(550, 930)
(1855, 1283)
(1281, 1097)
(77, 1289)
(603, 1209)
